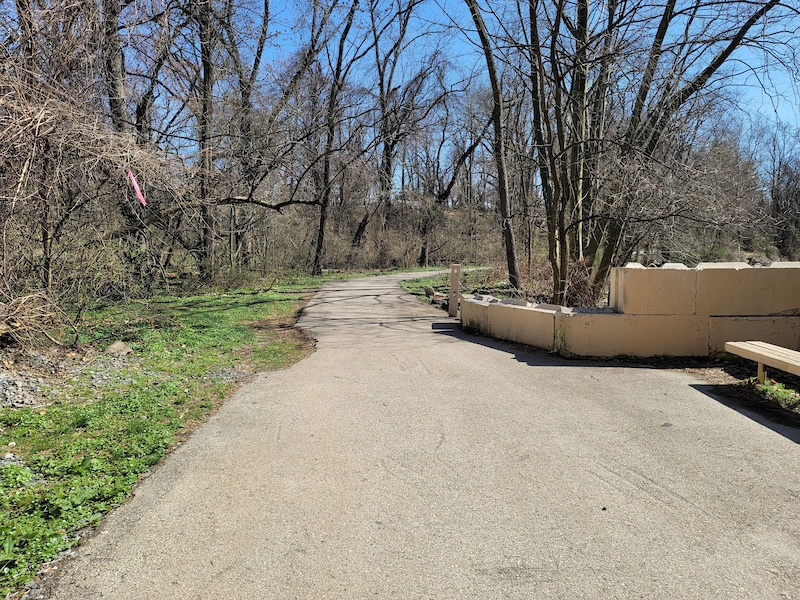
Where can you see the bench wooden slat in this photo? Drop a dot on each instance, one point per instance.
(768, 346)
(777, 351)
(767, 354)
(766, 350)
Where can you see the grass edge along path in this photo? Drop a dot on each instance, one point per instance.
(74, 458)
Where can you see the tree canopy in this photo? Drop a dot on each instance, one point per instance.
(375, 133)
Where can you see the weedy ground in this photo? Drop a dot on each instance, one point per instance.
(103, 420)
(777, 392)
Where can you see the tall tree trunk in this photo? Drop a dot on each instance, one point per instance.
(330, 134)
(578, 98)
(114, 63)
(499, 145)
(543, 138)
(425, 232)
(206, 157)
(358, 236)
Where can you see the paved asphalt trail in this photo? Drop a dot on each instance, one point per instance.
(407, 460)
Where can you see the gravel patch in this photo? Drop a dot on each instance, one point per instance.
(29, 378)
(20, 391)
(9, 458)
(228, 374)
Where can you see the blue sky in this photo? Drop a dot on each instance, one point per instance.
(774, 97)
(780, 102)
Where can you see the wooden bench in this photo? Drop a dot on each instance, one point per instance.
(766, 354)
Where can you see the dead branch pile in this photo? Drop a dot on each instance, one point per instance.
(45, 125)
(32, 317)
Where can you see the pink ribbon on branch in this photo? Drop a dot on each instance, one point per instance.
(136, 189)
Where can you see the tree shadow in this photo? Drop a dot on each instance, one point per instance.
(734, 396)
(535, 357)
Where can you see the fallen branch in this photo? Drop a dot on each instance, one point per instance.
(26, 318)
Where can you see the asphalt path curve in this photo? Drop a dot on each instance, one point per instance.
(406, 459)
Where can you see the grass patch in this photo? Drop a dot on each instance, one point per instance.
(65, 464)
(477, 281)
(777, 393)
(420, 287)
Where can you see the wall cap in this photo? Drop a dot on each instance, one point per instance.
(735, 266)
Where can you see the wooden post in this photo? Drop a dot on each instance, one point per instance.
(455, 285)
(762, 376)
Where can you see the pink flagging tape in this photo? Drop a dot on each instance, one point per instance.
(136, 189)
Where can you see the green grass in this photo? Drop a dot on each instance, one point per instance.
(439, 283)
(777, 393)
(82, 453)
(470, 282)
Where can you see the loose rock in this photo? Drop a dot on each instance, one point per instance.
(119, 348)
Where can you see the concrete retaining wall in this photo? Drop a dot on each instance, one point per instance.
(611, 334)
(475, 316)
(532, 325)
(782, 331)
(737, 289)
(712, 289)
(669, 311)
(670, 290)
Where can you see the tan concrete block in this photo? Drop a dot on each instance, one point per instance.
(475, 316)
(455, 284)
(737, 289)
(669, 290)
(584, 333)
(782, 331)
(550, 307)
(530, 325)
(614, 297)
(713, 266)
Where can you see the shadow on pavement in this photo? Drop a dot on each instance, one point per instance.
(781, 422)
(524, 354)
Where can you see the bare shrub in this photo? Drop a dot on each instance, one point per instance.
(538, 281)
(70, 221)
(31, 318)
(580, 291)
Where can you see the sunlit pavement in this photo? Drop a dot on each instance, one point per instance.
(405, 459)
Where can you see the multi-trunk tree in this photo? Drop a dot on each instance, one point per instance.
(612, 88)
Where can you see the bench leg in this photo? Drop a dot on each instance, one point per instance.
(761, 373)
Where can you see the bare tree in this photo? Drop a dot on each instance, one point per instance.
(339, 75)
(613, 88)
(499, 142)
(402, 103)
